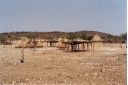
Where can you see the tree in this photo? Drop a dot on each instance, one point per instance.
(11, 38)
(72, 36)
(83, 36)
(3, 39)
(124, 36)
(89, 38)
(110, 38)
(14, 38)
(30, 36)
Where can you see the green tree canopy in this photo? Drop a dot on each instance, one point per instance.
(82, 35)
(72, 36)
(124, 36)
(3, 39)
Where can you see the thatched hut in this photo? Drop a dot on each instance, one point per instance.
(24, 43)
(60, 39)
(61, 45)
(66, 40)
(39, 44)
(21, 44)
(97, 42)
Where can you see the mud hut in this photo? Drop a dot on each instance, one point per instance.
(97, 42)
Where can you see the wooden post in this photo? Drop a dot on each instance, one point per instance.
(78, 47)
(47, 44)
(71, 47)
(83, 47)
(93, 46)
(87, 46)
(54, 44)
(68, 47)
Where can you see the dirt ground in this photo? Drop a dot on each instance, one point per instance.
(50, 66)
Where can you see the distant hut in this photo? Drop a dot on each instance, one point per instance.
(66, 40)
(61, 45)
(21, 44)
(24, 43)
(97, 42)
(60, 39)
(39, 44)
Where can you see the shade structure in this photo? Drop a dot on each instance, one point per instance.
(74, 46)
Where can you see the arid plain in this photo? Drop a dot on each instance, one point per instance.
(48, 65)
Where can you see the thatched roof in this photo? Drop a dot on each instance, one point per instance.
(60, 39)
(66, 40)
(24, 44)
(39, 44)
(21, 44)
(97, 38)
(61, 45)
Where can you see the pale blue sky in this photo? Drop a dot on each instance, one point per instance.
(63, 15)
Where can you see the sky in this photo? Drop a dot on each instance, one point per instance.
(63, 15)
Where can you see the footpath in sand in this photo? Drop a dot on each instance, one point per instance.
(52, 66)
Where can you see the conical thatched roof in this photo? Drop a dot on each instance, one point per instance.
(60, 39)
(21, 44)
(39, 44)
(66, 40)
(97, 38)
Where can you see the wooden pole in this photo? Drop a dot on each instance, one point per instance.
(71, 47)
(87, 46)
(83, 47)
(93, 46)
(78, 47)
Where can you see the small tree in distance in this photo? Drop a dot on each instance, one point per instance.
(3, 39)
(124, 36)
(72, 36)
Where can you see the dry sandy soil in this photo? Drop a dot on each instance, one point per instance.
(50, 66)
